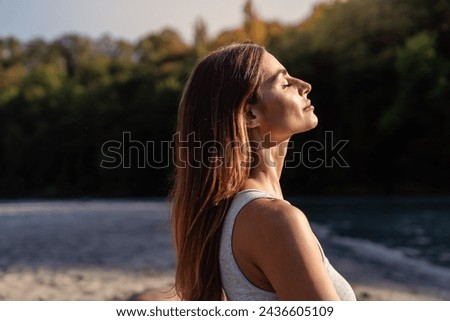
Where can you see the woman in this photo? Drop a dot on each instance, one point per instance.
(235, 235)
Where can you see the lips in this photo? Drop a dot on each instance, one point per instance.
(308, 105)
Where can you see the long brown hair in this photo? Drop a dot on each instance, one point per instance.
(211, 151)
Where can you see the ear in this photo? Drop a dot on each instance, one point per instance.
(252, 115)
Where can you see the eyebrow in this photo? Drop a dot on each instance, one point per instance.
(282, 71)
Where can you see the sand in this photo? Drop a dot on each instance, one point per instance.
(81, 284)
(103, 284)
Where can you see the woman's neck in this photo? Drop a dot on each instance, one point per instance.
(267, 167)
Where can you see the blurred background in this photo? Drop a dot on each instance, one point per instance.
(77, 74)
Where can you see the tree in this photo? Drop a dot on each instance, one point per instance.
(254, 27)
(157, 48)
(77, 52)
(200, 37)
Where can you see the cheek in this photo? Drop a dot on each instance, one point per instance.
(281, 108)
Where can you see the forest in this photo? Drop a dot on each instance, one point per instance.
(380, 72)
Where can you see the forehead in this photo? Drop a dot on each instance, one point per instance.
(270, 67)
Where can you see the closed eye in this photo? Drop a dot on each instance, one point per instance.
(286, 85)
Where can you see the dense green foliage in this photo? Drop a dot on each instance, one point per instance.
(380, 71)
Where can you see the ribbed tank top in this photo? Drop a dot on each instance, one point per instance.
(235, 284)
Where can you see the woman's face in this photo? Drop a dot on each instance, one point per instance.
(282, 107)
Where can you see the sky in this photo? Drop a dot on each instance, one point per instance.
(132, 19)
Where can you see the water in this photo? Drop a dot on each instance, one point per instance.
(125, 234)
(419, 227)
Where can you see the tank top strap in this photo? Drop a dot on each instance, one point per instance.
(244, 197)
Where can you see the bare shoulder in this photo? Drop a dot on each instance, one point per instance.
(278, 239)
(276, 249)
(269, 225)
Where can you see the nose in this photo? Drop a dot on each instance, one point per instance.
(303, 87)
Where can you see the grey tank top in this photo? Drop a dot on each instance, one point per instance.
(235, 284)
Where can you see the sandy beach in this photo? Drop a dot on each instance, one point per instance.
(108, 250)
(102, 284)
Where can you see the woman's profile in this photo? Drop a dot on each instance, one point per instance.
(236, 237)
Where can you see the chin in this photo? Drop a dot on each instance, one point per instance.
(310, 125)
(315, 122)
